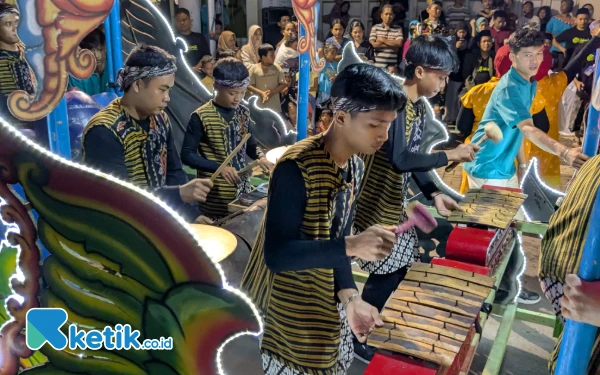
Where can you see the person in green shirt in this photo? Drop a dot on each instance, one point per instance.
(98, 81)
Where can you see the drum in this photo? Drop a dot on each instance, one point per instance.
(218, 243)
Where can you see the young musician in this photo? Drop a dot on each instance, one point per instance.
(215, 130)
(509, 108)
(382, 200)
(15, 73)
(299, 273)
(131, 137)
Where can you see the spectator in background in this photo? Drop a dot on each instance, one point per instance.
(425, 13)
(568, 40)
(218, 30)
(527, 18)
(549, 39)
(288, 30)
(328, 73)
(337, 38)
(544, 14)
(457, 13)
(222, 19)
(433, 23)
(487, 11)
(227, 46)
(339, 11)
(287, 55)
(291, 115)
(362, 47)
(238, 18)
(498, 29)
(413, 30)
(95, 42)
(455, 79)
(324, 121)
(249, 52)
(197, 46)
(385, 39)
(478, 65)
(267, 80)
(560, 23)
(275, 31)
(476, 27)
(208, 64)
(590, 9)
(511, 17)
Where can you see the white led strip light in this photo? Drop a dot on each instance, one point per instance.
(19, 273)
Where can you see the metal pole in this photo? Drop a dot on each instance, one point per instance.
(58, 130)
(592, 131)
(304, 84)
(116, 45)
(578, 338)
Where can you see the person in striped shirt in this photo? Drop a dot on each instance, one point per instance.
(386, 40)
(456, 13)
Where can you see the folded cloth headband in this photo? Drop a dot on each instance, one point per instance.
(349, 106)
(129, 74)
(8, 11)
(231, 84)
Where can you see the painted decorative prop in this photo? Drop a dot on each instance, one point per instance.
(51, 31)
(109, 264)
(142, 22)
(306, 14)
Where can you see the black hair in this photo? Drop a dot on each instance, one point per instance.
(368, 86)
(582, 11)
(336, 22)
(4, 7)
(387, 6)
(588, 5)
(293, 38)
(524, 38)
(548, 13)
(528, 2)
(549, 36)
(146, 55)
(93, 40)
(230, 69)
(327, 46)
(264, 50)
(499, 4)
(326, 111)
(570, 4)
(284, 14)
(436, 3)
(345, 3)
(483, 33)
(217, 22)
(183, 11)
(432, 52)
(500, 14)
(356, 23)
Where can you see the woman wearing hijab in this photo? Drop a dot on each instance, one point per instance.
(476, 27)
(227, 46)
(413, 30)
(249, 52)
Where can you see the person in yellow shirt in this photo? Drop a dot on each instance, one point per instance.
(207, 65)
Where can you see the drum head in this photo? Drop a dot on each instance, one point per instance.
(217, 242)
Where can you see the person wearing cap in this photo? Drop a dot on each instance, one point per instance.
(131, 137)
(215, 130)
(15, 72)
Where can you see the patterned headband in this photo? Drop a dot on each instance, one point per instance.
(129, 74)
(8, 11)
(231, 84)
(349, 106)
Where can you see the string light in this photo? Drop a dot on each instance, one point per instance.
(126, 185)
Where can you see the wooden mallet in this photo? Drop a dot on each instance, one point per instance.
(419, 217)
(229, 157)
(492, 132)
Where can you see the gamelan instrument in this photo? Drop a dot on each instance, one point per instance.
(217, 242)
(431, 313)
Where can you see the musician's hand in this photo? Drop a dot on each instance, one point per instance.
(373, 244)
(266, 165)
(362, 318)
(203, 220)
(230, 175)
(581, 301)
(464, 152)
(445, 205)
(575, 158)
(195, 190)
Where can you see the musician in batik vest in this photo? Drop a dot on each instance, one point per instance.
(15, 73)
(215, 130)
(382, 200)
(299, 273)
(131, 137)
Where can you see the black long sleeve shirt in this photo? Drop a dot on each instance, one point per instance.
(195, 134)
(284, 249)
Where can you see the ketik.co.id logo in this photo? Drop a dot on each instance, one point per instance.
(44, 324)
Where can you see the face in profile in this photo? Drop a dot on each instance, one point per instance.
(154, 93)
(230, 98)
(431, 81)
(366, 132)
(8, 29)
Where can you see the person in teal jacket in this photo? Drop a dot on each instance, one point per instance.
(98, 81)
